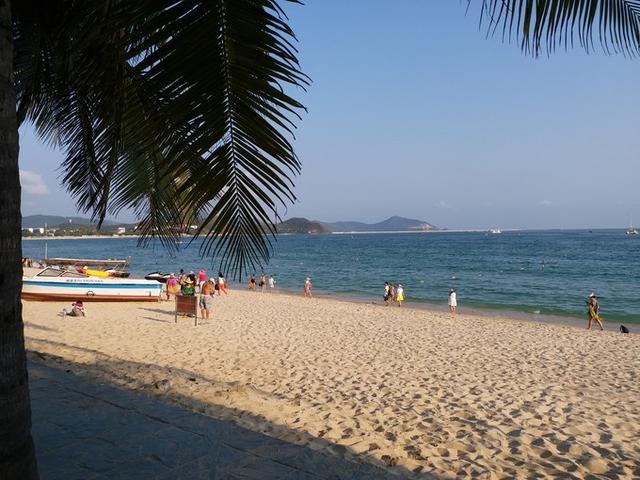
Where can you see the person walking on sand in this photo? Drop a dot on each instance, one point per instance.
(593, 310)
(307, 287)
(222, 284)
(263, 282)
(272, 283)
(400, 294)
(392, 293)
(453, 301)
(206, 298)
(386, 294)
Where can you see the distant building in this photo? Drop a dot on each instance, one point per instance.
(122, 230)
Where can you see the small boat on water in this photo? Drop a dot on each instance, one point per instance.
(495, 231)
(53, 284)
(157, 276)
(632, 231)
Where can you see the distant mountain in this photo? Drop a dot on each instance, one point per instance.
(301, 225)
(37, 221)
(391, 224)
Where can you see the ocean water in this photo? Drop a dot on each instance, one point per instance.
(531, 272)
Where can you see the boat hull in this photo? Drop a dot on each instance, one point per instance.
(90, 289)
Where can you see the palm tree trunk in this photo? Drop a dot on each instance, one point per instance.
(17, 455)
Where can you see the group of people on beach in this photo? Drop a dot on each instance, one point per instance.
(263, 282)
(188, 284)
(393, 293)
(27, 262)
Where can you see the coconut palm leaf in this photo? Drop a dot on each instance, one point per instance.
(546, 25)
(177, 109)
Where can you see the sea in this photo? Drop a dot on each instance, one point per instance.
(528, 273)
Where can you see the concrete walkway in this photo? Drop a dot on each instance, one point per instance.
(87, 430)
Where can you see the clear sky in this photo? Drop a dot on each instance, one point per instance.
(414, 112)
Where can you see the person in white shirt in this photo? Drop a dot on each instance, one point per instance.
(453, 301)
(272, 282)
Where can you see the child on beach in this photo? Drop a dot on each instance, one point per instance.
(307, 287)
(77, 310)
(252, 282)
(263, 282)
(400, 294)
(272, 282)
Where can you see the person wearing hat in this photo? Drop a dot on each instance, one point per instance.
(307, 287)
(188, 288)
(453, 301)
(593, 310)
(400, 294)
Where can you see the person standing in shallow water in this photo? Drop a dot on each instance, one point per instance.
(453, 301)
(400, 294)
(593, 310)
(307, 287)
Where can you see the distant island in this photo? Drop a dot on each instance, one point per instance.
(299, 225)
(59, 226)
(392, 224)
(35, 226)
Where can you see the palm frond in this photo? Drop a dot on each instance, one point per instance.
(548, 25)
(177, 109)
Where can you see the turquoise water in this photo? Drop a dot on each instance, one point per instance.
(494, 272)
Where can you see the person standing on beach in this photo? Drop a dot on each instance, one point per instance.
(392, 293)
(453, 301)
(593, 310)
(263, 282)
(272, 283)
(307, 287)
(386, 294)
(202, 277)
(400, 294)
(187, 289)
(172, 286)
(206, 298)
(252, 282)
(222, 284)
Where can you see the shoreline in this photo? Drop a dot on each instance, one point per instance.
(85, 237)
(436, 309)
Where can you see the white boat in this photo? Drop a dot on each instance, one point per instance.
(495, 231)
(631, 230)
(57, 284)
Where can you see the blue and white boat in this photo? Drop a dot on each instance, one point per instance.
(56, 284)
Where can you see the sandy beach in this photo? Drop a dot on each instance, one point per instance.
(416, 391)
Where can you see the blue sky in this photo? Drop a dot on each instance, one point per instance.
(413, 112)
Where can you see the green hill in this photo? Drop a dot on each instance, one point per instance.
(301, 225)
